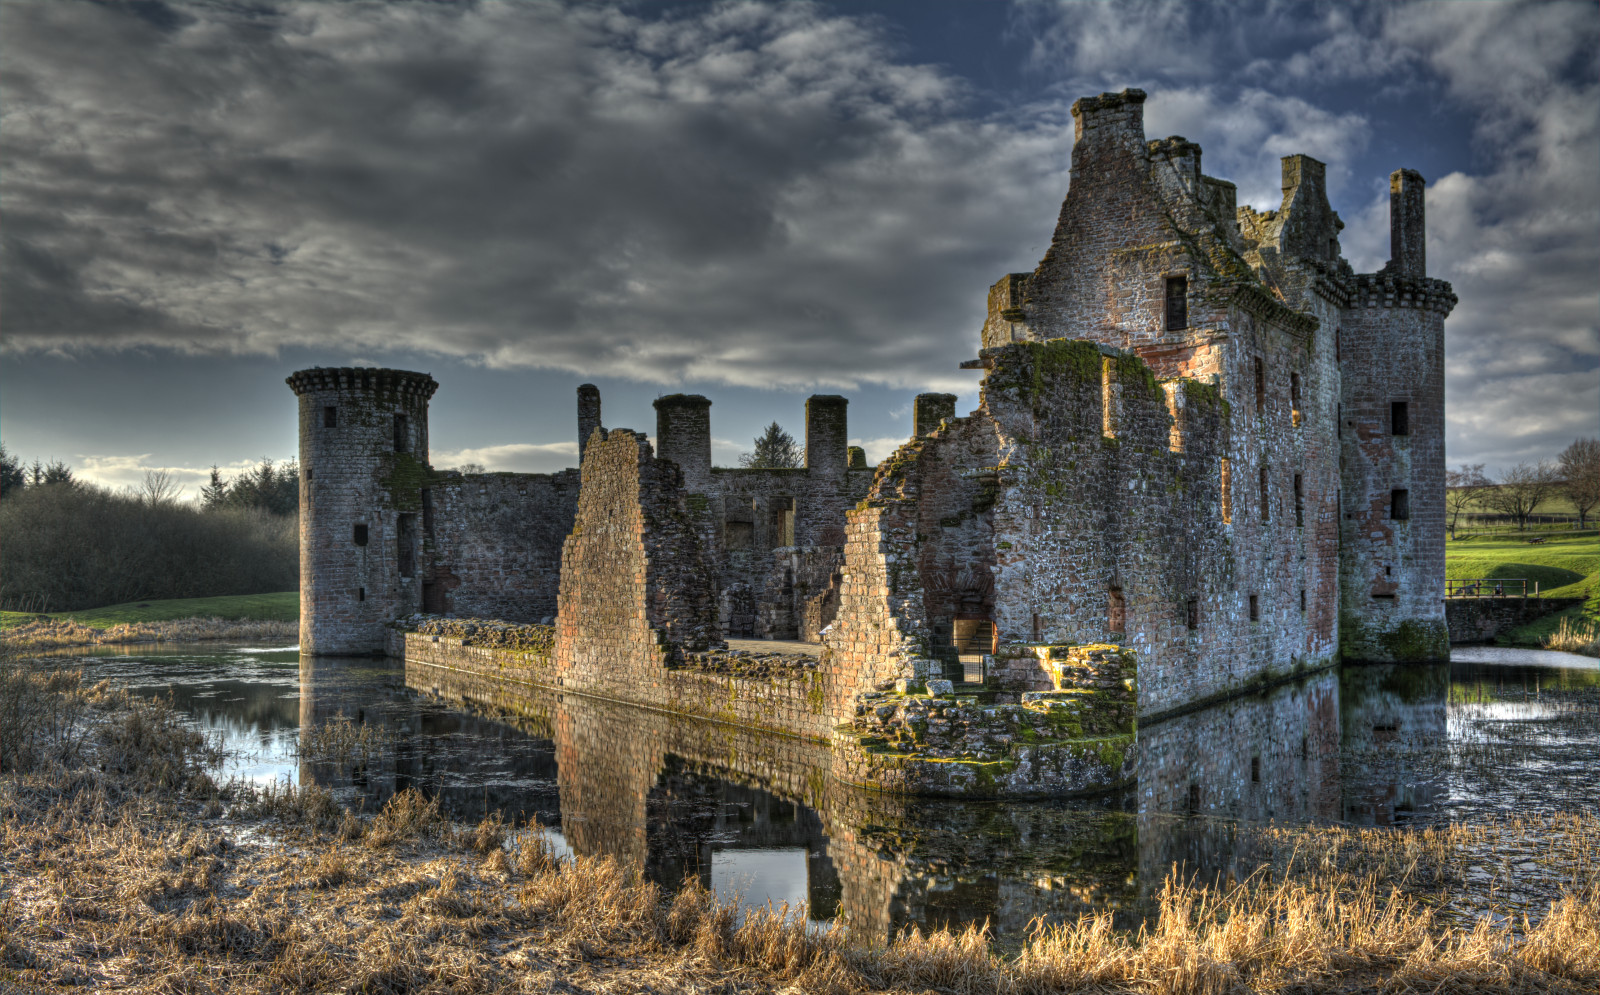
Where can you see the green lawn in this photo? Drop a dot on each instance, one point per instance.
(283, 606)
(1562, 566)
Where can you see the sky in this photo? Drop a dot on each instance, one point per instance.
(752, 201)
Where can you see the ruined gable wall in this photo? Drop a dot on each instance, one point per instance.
(1109, 206)
(495, 543)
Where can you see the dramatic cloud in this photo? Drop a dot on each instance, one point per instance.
(742, 193)
(782, 196)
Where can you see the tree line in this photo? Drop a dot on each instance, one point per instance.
(1522, 489)
(67, 544)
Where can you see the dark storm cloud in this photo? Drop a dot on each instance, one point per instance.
(743, 193)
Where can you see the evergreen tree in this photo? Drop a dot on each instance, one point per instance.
(12, 475)
(775, 449)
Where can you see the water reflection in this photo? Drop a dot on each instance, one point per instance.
(756, 815)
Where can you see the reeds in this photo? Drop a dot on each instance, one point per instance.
(1575, 636)
(120, 880)
(48, 634)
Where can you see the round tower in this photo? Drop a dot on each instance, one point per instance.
(363, 470)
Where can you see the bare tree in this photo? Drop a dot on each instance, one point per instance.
(1523, 489)
(158, 489)
(1580, 466)
(1464, 486)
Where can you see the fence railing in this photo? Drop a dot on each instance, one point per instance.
(1491, 587)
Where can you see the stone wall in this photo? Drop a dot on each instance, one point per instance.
(493, 543)
(1479, 620)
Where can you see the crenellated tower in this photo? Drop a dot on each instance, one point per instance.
(1390, 350)
(363, 463)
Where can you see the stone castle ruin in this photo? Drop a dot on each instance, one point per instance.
(1207, 456)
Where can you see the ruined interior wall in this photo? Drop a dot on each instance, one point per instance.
(495, 543)
(1392, 571)
(745, 510)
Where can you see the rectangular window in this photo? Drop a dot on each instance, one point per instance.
(1400, 418)
(400, 434)
(1192, 610)
(1294, 399)
(1194, 799)
(1117, 611)
(1255, 608)
(1177, 303)
(406, 545)
(361, 594)
(1266, 505)
(1400, 505)
(1227, 492)
(1261, 386)
(1299, 504)
(427, 511)
(1302, 599)
(330, 417)
(781, 522)
(360, 538)
(1255, 769)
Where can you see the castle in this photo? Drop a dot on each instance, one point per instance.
(1207, 456)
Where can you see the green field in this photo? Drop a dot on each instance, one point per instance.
(1563, 566)
(282, 606)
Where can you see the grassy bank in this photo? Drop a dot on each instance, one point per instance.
(128, 868)
(1563, 565)
(282, 606)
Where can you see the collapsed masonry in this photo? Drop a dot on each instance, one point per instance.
(1201, 437)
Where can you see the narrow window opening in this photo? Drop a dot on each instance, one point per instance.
(360, 537)
(330, 417)
(1266, 507)
(427, 511)
(1227, 492)
(1194, 799)
(1255, 769)
(361, 594)
(1294, 399)
(406, 545)
(311, 474)
(1261, 385)
(400, 439)
(1305, 747)
(1038, 631)
(1336, 355)
(1117, 612)
(1388, 571)
(1299, 503)
(1192, 613)
(1255, 608)
(1400, 418)
(782, 522)
(1302, 599)
(1110, 398)
(1177, 303)
(1400, 505)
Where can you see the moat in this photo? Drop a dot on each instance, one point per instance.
(1495, 733)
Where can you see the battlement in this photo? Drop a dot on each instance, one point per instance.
(376, 379)
(1388, 289)
(1110, 115)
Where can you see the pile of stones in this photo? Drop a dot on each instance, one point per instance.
(751, 665)
(519, 636)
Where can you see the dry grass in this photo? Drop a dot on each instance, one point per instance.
(51, 634)
(1575, 636)
(127, 880)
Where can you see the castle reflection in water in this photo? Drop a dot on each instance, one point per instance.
(738, 810)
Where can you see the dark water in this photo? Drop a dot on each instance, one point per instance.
(1496, 732)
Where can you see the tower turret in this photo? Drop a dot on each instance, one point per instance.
(363, 470)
